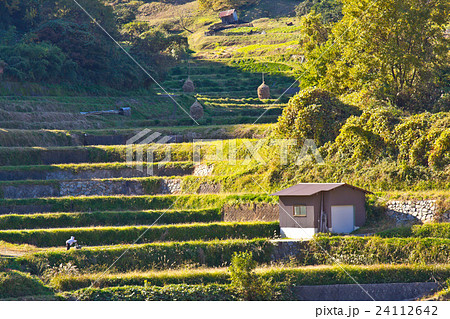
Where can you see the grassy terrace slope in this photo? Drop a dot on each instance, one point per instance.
(126, 203)
(109, 218)
(324, 275)
(97, 236)
(50, 138)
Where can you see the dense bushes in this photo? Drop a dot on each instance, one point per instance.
(17, 284)
(13, 221)
(147, 256)
(128, 235)
(313, 114)
(36, 62)
(81, 53)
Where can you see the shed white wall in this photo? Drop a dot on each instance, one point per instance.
(297, 232)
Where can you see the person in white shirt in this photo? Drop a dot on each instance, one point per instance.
(70, 242)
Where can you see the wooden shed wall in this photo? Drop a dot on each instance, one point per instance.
(344, 195)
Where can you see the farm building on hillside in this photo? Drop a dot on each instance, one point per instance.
(309, 208)
(229, 16)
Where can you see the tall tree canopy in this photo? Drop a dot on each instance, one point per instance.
(393, 47)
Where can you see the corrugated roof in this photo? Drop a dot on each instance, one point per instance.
(226, 13)
(308, 189)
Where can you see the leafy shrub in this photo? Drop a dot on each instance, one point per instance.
(128, 235)
(243, 278)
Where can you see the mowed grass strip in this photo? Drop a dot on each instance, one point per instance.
(318, 275)
(109, 218)
(216, 253)
(95, 236)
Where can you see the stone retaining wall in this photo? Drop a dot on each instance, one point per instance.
(100, 173)
(102, 188)
(250, 212)
(379, 292)
(419, 210)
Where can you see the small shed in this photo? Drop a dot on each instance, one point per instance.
(310, 208)
(228, 16)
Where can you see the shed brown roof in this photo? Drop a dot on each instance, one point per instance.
(308, 189)
(226, 13)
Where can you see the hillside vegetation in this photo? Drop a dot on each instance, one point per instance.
(367, 85)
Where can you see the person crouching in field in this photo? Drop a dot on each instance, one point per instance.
(70, 242)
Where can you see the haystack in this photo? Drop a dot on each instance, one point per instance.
(263, 91)
(188, 86)
(196, 110)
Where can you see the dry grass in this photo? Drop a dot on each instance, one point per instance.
(13, 250)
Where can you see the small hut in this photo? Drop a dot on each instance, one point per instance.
(188, 86)
(228, 16)
(196, 110)
(263, 90)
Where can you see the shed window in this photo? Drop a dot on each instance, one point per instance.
(300, 210)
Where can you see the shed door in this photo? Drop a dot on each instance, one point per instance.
(342, 219)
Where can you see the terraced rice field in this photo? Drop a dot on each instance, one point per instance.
(90, 192)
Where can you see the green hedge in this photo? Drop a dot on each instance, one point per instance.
(111, 203)
(159, 278)
(212, 292)
(17, 284)
(327, 275)
(440, 230)
(110, 218)
(146, 256)
(182, 292)
(128, 235)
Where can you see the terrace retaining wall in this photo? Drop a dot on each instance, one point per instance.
(250, 212)
(415, 210)
(59, 174)
(379, 292)
(102, 188)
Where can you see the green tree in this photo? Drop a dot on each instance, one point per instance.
(394, 47)
(330, 10)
